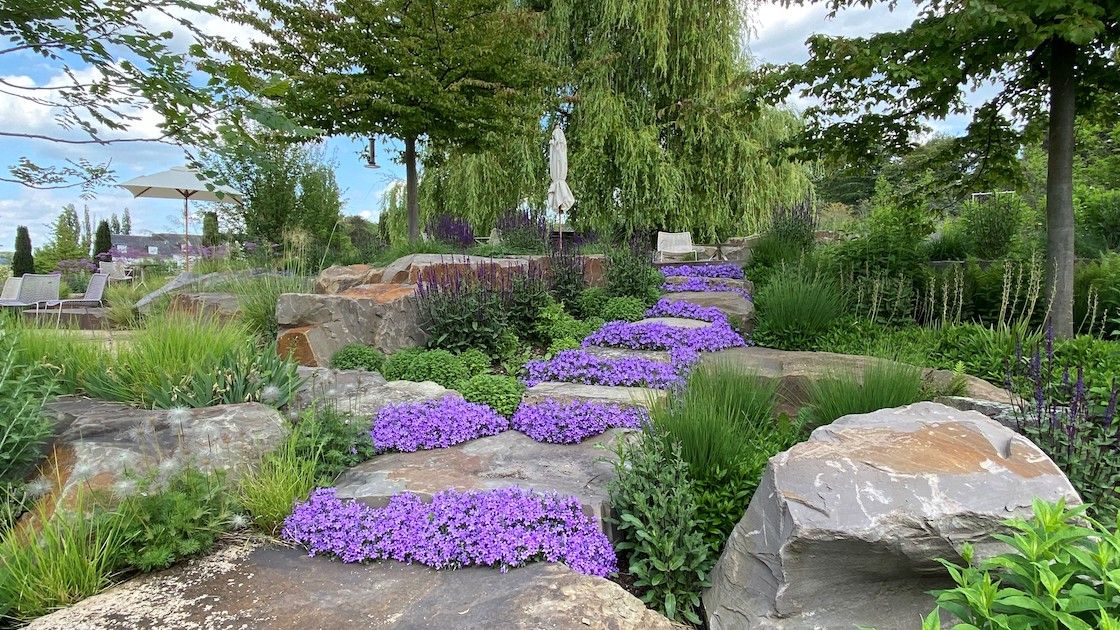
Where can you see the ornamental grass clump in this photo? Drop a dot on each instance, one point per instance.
(505, 528)
(571, 422)
(883, 385)
(658, 336)
(730, 271)
(580, 366)
(429, 424)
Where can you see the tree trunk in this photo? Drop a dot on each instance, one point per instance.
(411, 190)
(1059, 187)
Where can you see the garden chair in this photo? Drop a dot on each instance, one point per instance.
(11, 290)
(93, 297)
(34, 290)
(114, 270)
(676, 244)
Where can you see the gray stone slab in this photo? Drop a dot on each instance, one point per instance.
(638, 396)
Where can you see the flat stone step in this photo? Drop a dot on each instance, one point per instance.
(636, 396)
(675, 322)
(497, 461)
(621, 353)
(256, 585)
(738, 309)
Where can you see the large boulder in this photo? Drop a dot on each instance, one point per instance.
(223, 306)
(845, 529)
(99, 444)
(314, 327)
(255, 585)
(408, 269)
(738, 309)
(337, 279)
(508, 459)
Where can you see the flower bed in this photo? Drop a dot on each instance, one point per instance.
(688, 310)
(579, 366)
(572, 422)
(433, 424)
(734, 272)
(701, 284)
(508, 527)
(658, 336)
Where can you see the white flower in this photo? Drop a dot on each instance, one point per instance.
(124, 487)
(82, 470)
(270, 394)
(38, 487)
(179, 415)
(238, 521)
(169, 465)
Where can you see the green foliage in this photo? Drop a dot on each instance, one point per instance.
(402, 247)
(73, 555)
(528, 295)
(629, 272)
(992, 224)
(1061, 572)
(22, 261)
(951, 243)
(65, 243)
(559, 345)
(333, 440)
(210, 234)
(566, 278)
(501, 393)
(103, 240)
(882, 385)
(24, 429)
(170, 519)
(440, 366)
(793, 310)
(282, 478)
(469, 312)
(1099, 212)
(1096, 288)
(629, 309)
(356, 356)
(653, 499)
(591, 302)
(555, 323)
(257, 297)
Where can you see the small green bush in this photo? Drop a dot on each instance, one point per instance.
(501, 393)
(333, 440)
(356, 356)
(794, 310)
(440, 366)
(559, 345)
(1060, 573)
(257, 297)
(177, 518)
(591, 302)
(628, 309)
(1099, 211)
(475, 361)
(555, 323)
(282, 478)
(566, 278)
(883, 385)
(991, 224)
(654, 506)
(629, 272)
(527, 296)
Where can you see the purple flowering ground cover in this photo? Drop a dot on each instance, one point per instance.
(686, 309)
(700, 284)
(579, 366)
(734, 272)
(571, 422)
(718, 335)
(432, 424)
(507, 527)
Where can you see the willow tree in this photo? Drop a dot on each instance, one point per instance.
(662, 132)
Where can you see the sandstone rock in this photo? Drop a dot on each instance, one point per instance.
(408, 269)
(224, 306)
(620, 353)
(497, 461)
(1003, 413)
(360, 393)
(98, 442)
(340, 278)
(255, 585)
(738, 309)
(676, 322)
(794, 371)
(314, 327)
(637, 396)
(844, 528)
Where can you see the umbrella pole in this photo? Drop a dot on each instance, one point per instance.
(186, 233)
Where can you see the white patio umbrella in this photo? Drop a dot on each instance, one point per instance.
(183, 183)
(560, 197)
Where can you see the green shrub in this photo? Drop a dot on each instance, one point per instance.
(653, 500)
(527, 296)
(356, 356)
(559, 345)
(1096, 292)
(475, 361)
(555, 323)
(1099, 211)
(629, 272)
(793, 310)
(884, 384)
(439, 366)
(257, 297)
(73, 555)
(1060, 573)
(591, 302)
(501, 393)
(178, 517)
(951, 243)
(991, 224)
(23, 429)
(566, 279)
(624, 308)
(282, 478)
(333, 440)
(463, 309)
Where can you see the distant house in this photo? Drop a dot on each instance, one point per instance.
(152, 246)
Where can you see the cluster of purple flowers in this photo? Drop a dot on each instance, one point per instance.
(658, 336)
(451, 230)
(573, 421)
(433, 424)
(733, 272)
(76, 265)
(580, 366)
(685, 309)
(696, 283)
(507, 527)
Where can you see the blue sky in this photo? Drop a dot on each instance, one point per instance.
(777, 35)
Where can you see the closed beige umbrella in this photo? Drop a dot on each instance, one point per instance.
(183, 183)
(560, 197)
